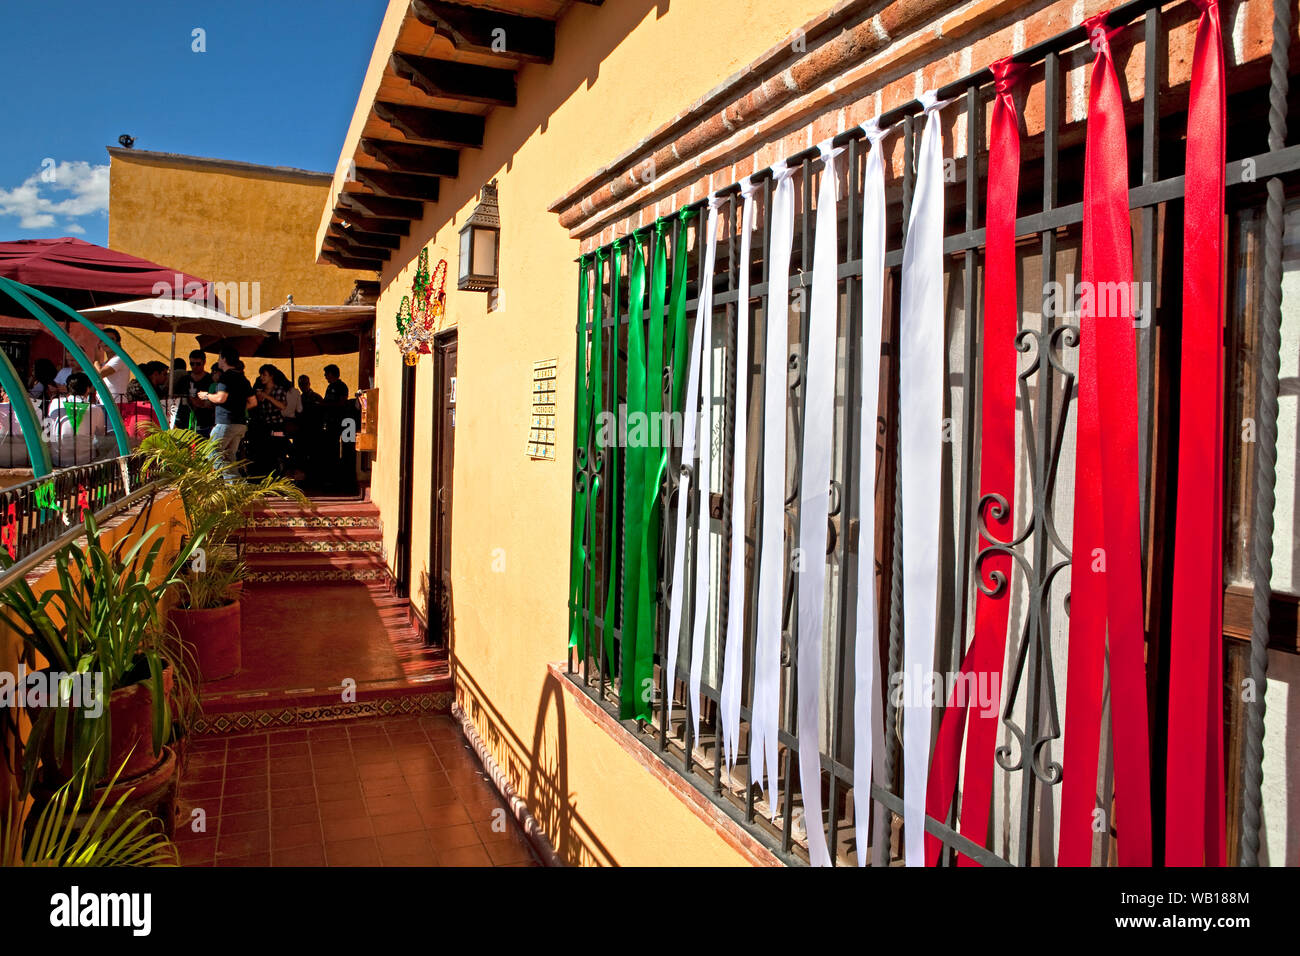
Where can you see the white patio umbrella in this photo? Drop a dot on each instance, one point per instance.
(167, 314)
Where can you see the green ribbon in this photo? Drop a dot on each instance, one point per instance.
(611, 528)
(677, 314)
(578, 550)
(655, 466)
(597, 404)
(636, 455)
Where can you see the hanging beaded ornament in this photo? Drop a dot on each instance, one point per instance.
(421, 312)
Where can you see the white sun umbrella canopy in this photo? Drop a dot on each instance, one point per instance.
(167, 314)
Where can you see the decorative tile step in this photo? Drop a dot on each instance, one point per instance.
(313, 546)
(261, 711)
(360, 573)
(314, 520)
(273, 533)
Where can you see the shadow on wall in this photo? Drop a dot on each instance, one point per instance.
(538, 771)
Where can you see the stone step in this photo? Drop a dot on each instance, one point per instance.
(268, 535)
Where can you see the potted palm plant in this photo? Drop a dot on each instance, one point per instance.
(75, 829)
(217, 497)
(100, 625)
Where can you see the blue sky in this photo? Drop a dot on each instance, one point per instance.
(275, 85)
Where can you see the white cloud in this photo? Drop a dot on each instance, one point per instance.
(58, 190)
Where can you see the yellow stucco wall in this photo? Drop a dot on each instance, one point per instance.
(228, 224)
(620, 71)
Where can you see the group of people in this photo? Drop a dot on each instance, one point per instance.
(284, 429)
(269, 423)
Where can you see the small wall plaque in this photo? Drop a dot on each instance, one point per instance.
(541, 426)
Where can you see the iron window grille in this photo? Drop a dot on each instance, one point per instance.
(1050, 212)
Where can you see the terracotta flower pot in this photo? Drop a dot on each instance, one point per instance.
(131, 712)
(213, 637)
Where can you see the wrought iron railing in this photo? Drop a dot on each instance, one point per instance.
(75, 431)
(36, 513)
(1031, 725)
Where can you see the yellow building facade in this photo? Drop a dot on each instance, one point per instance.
(244, 227)
(599, 801)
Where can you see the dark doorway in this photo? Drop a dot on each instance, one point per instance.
(402, 555)
(444, 441)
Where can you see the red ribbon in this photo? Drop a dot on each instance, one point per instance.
(1106, 563)
(1195, 817)
(997, 478)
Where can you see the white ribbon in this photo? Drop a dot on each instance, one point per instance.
(771, 562)
(700, 336)
(868, 718)
(734, 657)
(921, 426)
(814, 500)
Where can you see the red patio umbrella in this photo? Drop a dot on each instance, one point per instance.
(82, 274)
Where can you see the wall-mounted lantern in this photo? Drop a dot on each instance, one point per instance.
(480, 244)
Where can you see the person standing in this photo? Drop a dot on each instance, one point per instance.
(111, 368)
(231, 397)
(197, 379)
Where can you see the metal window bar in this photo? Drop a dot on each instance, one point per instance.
(1032, 681)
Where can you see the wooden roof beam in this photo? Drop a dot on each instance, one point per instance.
(375, 240)
(416, 160)
(348, 262)
(343, 246)
(401, 185)
(456, 81)
(381, 207)
(489, 32)
(360, 221)
(435, 127)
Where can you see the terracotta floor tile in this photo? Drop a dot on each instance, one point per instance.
(206, 790)
(403, 738)
(501, 829)
(453, 837)
(307, 855)
(243, 844)
(245, 785)
(421, 782)
(254, 859)
(249, 768)
(198, 851)
(366, 728)
(205, 758)
(448, 815)
(290, 779)
(408, 821)
(290, 748)
(503, 853)
(292, 816)
(337, 790)
(286, 736)
(465, 856)
(205, 772)
(421, 763)
(397, 803)
(245, 822)
(346, 828)
(342, 810)
(298, 764)
(437, 797)
(485, 810)
(333, 761)
(384, 786)
(296, 797)
(330, 732)
(379, 771)
(244, 802)
(406, 849)
(359, 852)
(329, 745)
(371, 758)
(204, 745)
(300, 834)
